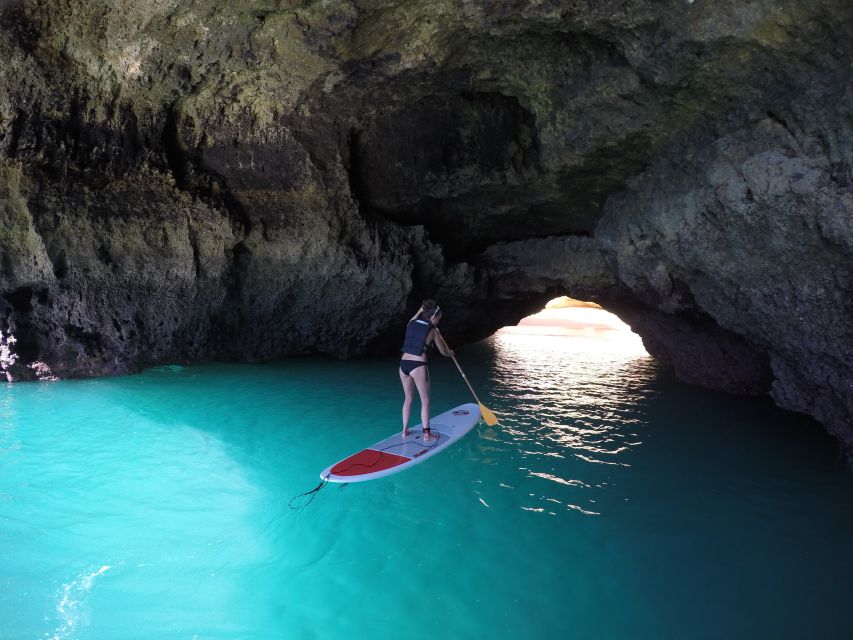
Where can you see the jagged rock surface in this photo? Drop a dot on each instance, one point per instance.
(240, 180)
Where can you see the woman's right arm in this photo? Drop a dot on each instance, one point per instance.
(439, 342)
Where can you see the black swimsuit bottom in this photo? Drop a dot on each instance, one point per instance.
(407, 366)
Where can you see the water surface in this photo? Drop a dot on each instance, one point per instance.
(611, 502)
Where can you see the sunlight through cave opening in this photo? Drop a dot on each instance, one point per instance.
(582, 321)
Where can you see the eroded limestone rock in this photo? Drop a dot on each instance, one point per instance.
(193, 180)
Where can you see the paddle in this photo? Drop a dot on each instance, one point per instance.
(487, 414)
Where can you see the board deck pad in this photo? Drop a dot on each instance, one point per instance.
(369, 459)
(396, 453)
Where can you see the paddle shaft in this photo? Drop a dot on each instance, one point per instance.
(456, 362)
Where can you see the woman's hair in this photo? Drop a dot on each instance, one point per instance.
(430, 309)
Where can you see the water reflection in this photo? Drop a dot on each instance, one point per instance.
(570, 409)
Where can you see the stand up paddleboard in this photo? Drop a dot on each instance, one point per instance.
(397, 453)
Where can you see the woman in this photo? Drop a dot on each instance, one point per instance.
(421, 332)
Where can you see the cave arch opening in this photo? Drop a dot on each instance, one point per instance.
(590, 326)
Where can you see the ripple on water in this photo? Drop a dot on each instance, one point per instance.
(569, 409)
(71, 603)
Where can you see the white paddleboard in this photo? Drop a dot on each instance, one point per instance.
(396, 453)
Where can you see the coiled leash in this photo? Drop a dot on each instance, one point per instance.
(313, 493)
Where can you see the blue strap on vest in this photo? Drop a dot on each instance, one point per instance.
(416, 335)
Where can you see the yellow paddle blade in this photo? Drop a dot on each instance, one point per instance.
(488, 416)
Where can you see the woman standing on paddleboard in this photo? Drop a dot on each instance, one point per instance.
(421, 332)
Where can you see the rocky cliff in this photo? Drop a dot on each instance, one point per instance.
(195, 179)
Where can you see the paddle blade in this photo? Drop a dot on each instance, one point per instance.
(488, 416)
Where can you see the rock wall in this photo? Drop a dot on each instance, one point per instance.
(240, 180)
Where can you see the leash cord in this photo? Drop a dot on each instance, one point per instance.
(313, 493)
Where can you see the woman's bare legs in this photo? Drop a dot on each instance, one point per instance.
(421, 378)
(409, 391)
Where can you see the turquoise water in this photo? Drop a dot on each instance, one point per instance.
(612, 502)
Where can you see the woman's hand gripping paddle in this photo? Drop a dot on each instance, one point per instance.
(487, 414)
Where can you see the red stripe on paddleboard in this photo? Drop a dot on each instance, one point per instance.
(367, 461)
